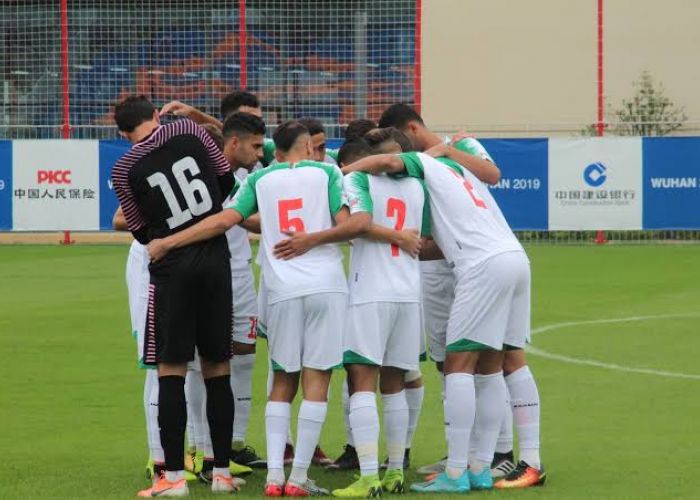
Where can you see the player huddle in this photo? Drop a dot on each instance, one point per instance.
(430, 253)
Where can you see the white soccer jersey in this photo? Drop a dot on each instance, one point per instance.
(238, 244)
(466, 221)
(380, 272)
(300, 197)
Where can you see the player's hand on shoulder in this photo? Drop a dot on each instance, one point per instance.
(297, 244)
(410, 242)
(157, 249)
(176, 108)
(459, 136)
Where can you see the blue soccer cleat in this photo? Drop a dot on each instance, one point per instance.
(444, 484)
(481, 481)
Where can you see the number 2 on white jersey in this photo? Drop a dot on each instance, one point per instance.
(396, 208)
(470, 189)
(188, 188)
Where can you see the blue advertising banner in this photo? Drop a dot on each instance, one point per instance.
(671, 170)
(110, 152)
(522, 191)
(5, 185)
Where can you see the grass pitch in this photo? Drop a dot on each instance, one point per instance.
(71, 414)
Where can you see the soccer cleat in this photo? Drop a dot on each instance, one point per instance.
(364, 487)
(246, 456)
(206, 473)
(347, 460)
(502, 464)
(165, 488)
(288, 454)
(444, 484)
(393, 481)
(238, 469)
(225, 484)
(435, 468)
(274, 490)
(523, 476)
(406, 460)
(155, 470)
(481, 481)
(191, 460)
(320, 458)
(308, 489)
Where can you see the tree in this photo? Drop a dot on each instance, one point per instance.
(648, 113)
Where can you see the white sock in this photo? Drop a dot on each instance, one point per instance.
(242, 387)
(150, 394)
(490, 397)
(346, 413)
(395, 427)
(270, 379)
(505, 438)
(277, 419)
(364, 421)
(174, 475)
(460, 408)
(414, 398)
(525, 401)
(196, 396)
(312, 414)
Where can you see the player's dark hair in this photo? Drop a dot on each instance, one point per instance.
(313, 125)
(356, 129)
(398, 116)
(242, 124)
(352, 151)
(287, 134)
(132, 112)
(235, 100)
(215, 134)
(375, 138)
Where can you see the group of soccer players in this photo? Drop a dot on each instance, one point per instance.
(430, 253)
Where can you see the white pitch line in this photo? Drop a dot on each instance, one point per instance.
(610, 366)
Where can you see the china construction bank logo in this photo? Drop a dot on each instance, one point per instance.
(594, 174)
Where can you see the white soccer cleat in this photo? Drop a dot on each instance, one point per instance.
(436, 468)
(225, 484)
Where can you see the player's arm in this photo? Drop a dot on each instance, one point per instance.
(348, 226)
(178, 108)
(206, 229)
(377, 164)
(119, 221)
(484, 170)
(407, 240)
(135, 221)
(252, 224)
(430, 250)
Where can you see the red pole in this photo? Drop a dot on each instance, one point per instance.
(600, 237)
(242, 43)
(65, 128)
(65, 88)
(417, 96)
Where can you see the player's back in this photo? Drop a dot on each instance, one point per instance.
(467, 223)
(172, 178)
(380, 272)
(301, 197)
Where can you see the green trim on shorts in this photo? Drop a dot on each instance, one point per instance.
(261, 330)
(423, 357)
(352, 358)
(276, 367)
(507, 347)
(466, 345)
(339, 366)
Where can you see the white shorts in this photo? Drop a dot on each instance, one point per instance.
(438, 295)
(492, 305)
(245, 308)
(307, 332)
(383, 334)
(137, 280)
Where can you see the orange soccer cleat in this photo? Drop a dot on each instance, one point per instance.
(274, 490)
(165, 488)
(523, 476)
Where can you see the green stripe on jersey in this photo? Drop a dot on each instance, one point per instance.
(356, 186)
(269, 149)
